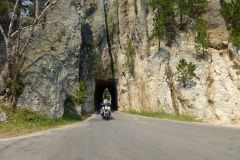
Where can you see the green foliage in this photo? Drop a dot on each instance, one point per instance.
(90, 45)
(97, 65)
(185, 72)
(196, 7)
(3, 6)
(60, 36)
(182, 10)
(165, 25)
(164, 20)
(6, 6)
(201, 40)
(231, 13)
(190, 8)
(16, 87)
(110, 23)
(136, 7)
(55, 39)
(130, 54)
(164, 115)
(25, 121)
(79, 94)
(210, 101)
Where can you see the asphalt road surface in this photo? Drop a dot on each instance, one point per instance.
(126, 137)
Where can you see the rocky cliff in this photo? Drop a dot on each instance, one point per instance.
(75, 45)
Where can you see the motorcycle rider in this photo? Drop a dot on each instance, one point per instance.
(106, 99)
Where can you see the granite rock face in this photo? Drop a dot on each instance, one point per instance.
(154, 87)
(53, 63)
(77, 47)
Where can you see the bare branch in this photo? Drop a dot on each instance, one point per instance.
(37, 8)
(47, 7)
(12, 19)
(36, 21)
(26, 27)
(54, 22)
(4, 35)
(17, 31)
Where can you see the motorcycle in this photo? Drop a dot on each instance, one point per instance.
(106, 111)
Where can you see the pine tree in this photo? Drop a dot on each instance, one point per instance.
(182, 10)
(231, 13)
(130, 55)
(196, 7)
(190, 8)
(201, 40)
(164, 20)
(186, 71)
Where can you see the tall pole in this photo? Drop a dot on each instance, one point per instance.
(108, 38)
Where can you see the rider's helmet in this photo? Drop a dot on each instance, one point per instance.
(107, 95)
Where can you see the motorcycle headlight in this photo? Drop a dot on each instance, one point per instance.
(109, 108)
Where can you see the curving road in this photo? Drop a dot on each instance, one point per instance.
(126, 137)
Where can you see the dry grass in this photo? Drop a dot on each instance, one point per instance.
(164, 115)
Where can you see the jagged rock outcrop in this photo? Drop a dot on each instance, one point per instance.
(77, 47)
(53, 64)
(213, 97)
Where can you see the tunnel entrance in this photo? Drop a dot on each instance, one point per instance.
(101, 85)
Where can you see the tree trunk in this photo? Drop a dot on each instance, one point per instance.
(159, 42)
(3, 79)
(184, 83)
(181, 21)
(37, 9)
(181, 17)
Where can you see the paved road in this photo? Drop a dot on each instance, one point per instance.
(126, 137)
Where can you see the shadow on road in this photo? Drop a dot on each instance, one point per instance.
(98, 117)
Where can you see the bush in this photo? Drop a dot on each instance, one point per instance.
(164, 21)
(79, 94)
(231, 13)
(16, 87)
(3, 6)
(185, 72)
(130, 54)
(201, 40)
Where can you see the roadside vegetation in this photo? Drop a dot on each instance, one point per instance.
(17, 32)
(186, 72)
(24, 121)
(130, 55)
(166, 24)
(79, 93)
(231, 13)
(164, 115)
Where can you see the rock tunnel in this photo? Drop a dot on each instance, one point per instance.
(100, 86)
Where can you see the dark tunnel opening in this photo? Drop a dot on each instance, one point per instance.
(101, 85)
